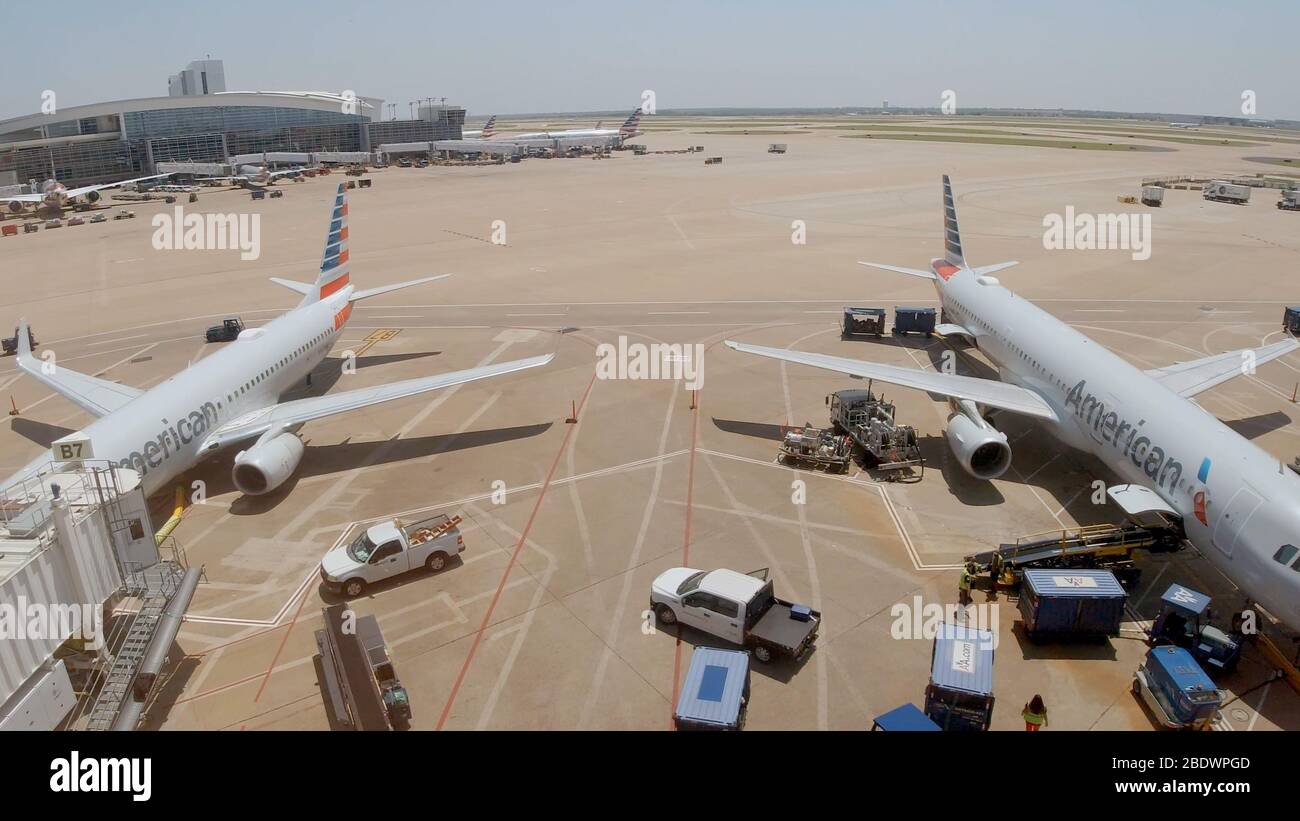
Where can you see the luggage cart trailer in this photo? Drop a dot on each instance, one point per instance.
(960, 693)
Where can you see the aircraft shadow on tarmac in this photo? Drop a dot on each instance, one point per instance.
(320, 460)
(1253, 427)
(174, 678)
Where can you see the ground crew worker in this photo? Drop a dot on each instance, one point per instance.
(963, 584)
(1035, 714)
(995, 567)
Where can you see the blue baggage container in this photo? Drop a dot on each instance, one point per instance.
(960, 693)
(1072, 603)
(913, 320)
(907, 718)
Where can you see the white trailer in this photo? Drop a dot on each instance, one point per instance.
(1221, 191)
(1153, 195)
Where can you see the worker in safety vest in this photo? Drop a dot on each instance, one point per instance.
(1035, 714)
(963, 583)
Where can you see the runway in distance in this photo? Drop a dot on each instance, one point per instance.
(1240, 506)
(233, 396)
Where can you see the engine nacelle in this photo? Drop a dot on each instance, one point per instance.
(981, 448)
(267, 464)
(91, 196)
(15, 206)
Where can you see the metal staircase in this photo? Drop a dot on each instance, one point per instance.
(154, 586)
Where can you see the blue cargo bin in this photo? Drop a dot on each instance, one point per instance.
(715, 693)
(960, 693)
(907, 718)
(913, 320)
(1072, 603)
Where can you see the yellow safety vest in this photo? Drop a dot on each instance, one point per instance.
(1031, 717)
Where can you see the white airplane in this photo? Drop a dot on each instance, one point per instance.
(489, 128)
(254, 176)
(233, 396)
(1240, 506)
(54, 195)
(628, 129)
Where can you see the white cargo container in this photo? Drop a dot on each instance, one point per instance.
(1152, 195)
(1221, 191)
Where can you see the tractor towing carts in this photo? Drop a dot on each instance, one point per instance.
(1184, 621)
(868, 420)
(737, 607)
(389, 549)
(10, 343)
(228, 331)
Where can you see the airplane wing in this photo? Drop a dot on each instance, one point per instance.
(988, 392)
(96, 396)
(287, 414)
(86, 189)
(1187, 379)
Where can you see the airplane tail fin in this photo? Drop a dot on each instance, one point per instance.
(951, 233)
(334, 275)
(334, 268)
(629, 128)
(489, 128)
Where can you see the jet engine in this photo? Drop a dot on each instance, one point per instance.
(267, 464)
(15, 207)
(91, 196)
(981, 448)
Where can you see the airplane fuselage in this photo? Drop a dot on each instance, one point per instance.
(1239, 504)
(244, 376)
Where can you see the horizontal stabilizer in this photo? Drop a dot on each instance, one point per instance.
(299, 287)
(914, 272)
(384, 289)
(985, 270)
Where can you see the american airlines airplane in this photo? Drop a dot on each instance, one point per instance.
(628, 129)
(1240, 506)
(233, 396)
(254, 176)
(489, 128)
(54, 195)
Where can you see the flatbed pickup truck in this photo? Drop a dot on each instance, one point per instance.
(389, 549)
(738, 607)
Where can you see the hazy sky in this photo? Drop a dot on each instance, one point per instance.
(1193, 56)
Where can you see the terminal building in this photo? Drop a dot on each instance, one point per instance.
(107, 142)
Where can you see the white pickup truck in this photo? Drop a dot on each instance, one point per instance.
(737, 607)
(388, 549)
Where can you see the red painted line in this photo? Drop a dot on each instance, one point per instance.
(686, 548)
(514, 556)
(284, 640)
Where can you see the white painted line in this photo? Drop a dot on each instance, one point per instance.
(1099, 310)
(534, 314)
(398, 316)
(674, 313)
(113, 341)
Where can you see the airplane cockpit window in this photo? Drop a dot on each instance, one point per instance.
(1286, 553)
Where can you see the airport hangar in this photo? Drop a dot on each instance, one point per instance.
(107, 142)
